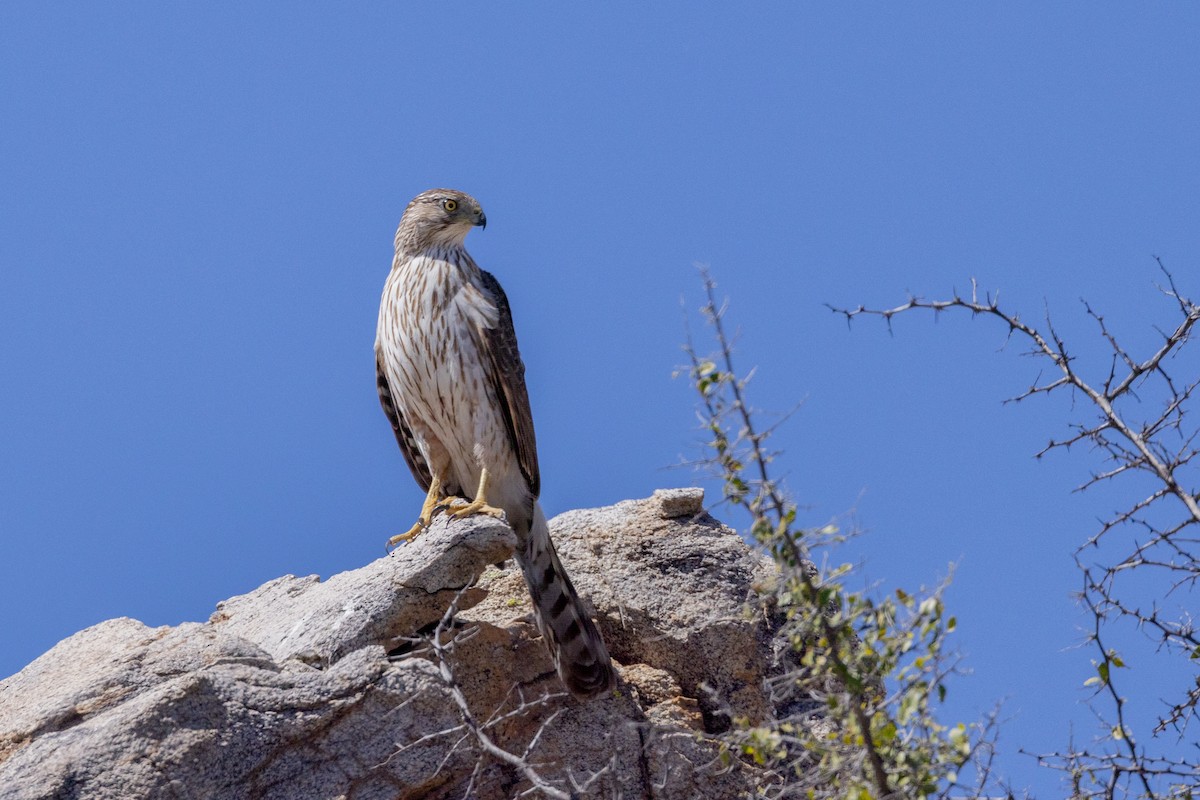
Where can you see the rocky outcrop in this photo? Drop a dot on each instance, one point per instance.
(366, 685)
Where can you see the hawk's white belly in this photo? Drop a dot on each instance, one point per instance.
(434, 353)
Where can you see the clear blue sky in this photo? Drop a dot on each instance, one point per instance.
(197, 205)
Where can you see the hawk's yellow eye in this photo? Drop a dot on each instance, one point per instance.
(449, 205)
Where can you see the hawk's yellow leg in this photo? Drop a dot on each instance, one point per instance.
(427, 511)
(479, 505)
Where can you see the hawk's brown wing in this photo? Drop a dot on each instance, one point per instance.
(507, 374)
(412, 456)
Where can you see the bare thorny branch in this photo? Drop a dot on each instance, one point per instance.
(439, 646)
(1144, 451)
(1160, 445)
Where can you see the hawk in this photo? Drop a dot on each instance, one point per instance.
(452, 384)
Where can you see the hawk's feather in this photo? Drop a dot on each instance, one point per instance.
(507, 373)
(404, 437)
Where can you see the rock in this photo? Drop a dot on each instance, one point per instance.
(319, 622)
(674, 503)
(673, 593)
(355, 687)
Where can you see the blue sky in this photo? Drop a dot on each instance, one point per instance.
(197, 205)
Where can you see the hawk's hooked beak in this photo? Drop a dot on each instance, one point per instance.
(481, 219)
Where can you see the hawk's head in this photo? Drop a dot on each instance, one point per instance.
(438, 217)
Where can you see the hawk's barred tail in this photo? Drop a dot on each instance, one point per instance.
(575, 644)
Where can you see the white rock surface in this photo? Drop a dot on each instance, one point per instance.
(288, 691)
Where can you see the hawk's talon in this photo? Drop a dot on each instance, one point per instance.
(478, 506)
(428, 509)
(395, 541)
(449, 503)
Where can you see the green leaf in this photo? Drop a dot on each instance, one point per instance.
(959, 739)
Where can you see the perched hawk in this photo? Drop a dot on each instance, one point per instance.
(452, 384)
